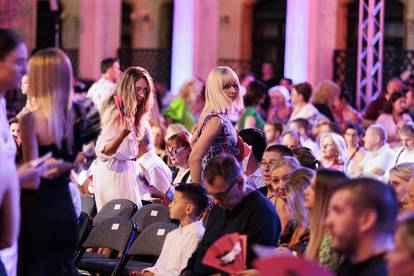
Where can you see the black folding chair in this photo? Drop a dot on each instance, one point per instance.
(88, 205)
(116, 233)
(148, 243)
(150, 214)
(114, 208)
(85, 227)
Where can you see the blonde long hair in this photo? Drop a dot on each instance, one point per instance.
(326, 182)
(49, 91)
(125, 88)
(216, 99)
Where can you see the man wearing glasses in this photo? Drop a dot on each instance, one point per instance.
(238, 208)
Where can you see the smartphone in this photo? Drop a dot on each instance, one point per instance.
(120, 105)
(39, 161)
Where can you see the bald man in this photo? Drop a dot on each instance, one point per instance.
(379, 157)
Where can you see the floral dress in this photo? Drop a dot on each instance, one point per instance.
(225, 142)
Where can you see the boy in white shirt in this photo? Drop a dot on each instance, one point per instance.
(188, 204)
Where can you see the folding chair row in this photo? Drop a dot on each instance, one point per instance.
(118, 234)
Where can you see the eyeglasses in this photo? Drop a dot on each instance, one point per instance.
(223, 195)
(269, 164)
(174, 151)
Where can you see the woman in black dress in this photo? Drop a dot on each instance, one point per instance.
(49, 229)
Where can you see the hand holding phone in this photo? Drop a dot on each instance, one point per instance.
(39, 161)
(120, 105)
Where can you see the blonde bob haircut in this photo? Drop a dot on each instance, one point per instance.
(216, 99)
(49, 91)
(125, 88)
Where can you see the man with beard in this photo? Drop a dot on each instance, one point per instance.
(361, 219)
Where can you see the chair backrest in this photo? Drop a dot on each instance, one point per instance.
(115, 233)
(114, 208)
(149, 214)
(152, 238)
(88, 205)
(85, 226)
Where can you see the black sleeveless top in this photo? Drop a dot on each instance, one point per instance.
(49, 226)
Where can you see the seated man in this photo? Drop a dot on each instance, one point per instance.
(302, 126)
(239, 208)
(188, 204)
(379, 157)
(361, 219)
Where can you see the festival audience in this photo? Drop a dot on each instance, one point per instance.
(154, 177)
(353, 138)
(400, 260)
(306, 158)
(375, 107)
(255, 95)
(405, 153)
(104, 88)
(361, 219)
(280, 172)
(188, 204)
(279, 110)
(178, 151)
(179, 110)
(123, 123)
(379, 156)
(291, 139)
(317, 197)
(302, 108)
(295, 235)
(273, 132)
(400, 176)
(333, 151)
(325, 98)
(393, 117)
(215, 132)
(256, 139)
(345, 113)
(302, 126)
(239, 208)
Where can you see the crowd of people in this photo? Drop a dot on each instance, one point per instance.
(292, 167)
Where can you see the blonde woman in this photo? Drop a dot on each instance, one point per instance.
(296, 233)
(117, 147)
(400, 176)
(179, 111)
(325, 97)
(280, 172)
(317, 197)
(334, 153)
(215, 132)
(49, 229)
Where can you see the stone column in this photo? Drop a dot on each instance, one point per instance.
(310, 39)
(195, 40)
(100, 27)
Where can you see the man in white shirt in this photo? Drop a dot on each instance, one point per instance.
(154, 176)
(405, 153)
(379, 157)
(302, 126)
(104, 88)
(189, 202)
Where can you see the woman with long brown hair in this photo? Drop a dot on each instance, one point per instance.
(317, 197)
(123, 122)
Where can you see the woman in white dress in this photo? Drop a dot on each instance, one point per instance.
(114, 175)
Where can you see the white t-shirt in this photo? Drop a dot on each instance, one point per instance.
(402, 155)
(100, 91)
(381, 158)
(308, 112)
